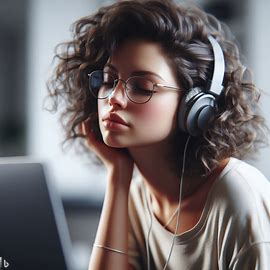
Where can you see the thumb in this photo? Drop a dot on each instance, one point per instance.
(88, 131)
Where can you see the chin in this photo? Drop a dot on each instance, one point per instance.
(113, 143)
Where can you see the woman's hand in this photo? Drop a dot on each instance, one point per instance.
(114, 218)
(115, 159)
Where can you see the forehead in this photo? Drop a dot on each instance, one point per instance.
(138, 54)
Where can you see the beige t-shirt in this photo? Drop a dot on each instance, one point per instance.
(232, 233)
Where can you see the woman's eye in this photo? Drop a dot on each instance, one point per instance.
(140, 85)
(141, 91)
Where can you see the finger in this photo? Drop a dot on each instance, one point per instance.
(87, 130)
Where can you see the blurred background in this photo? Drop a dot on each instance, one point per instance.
(29, 32)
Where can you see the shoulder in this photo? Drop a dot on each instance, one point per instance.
(243, 184)
(240, 214)
(242, 198)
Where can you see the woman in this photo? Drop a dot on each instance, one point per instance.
(160, 87)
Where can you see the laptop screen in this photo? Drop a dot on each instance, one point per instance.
(33, 229)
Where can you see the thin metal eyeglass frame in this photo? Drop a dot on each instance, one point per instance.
(115, 82)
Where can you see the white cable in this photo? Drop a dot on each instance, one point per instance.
(172, 217)
(178, 215)
(180, 198)
(148, 235)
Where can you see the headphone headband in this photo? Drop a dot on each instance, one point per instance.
(219, 68)
(198, 106)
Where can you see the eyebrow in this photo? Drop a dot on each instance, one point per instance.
(135, 72)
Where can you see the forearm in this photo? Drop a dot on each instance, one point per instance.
(113, 226)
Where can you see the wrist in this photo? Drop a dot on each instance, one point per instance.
(120, 177)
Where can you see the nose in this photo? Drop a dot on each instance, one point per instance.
(117, 96)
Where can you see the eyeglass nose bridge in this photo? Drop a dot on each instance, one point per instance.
(115, 85)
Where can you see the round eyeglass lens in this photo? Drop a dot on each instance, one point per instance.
(139, 89)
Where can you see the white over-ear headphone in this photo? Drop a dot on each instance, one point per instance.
(198, 106)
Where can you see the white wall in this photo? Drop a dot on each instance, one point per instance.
(258, 44)
(49, 24)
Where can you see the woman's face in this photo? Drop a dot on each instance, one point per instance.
(147, 123)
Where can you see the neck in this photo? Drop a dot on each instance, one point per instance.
(154, 167)
(161, 180)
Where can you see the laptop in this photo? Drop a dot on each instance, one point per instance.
(33, 229)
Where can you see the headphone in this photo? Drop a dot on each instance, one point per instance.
(198, 106)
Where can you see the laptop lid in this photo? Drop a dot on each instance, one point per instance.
(33, 228)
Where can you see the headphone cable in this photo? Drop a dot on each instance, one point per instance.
(178, 212)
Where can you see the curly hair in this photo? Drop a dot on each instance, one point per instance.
(182, 31)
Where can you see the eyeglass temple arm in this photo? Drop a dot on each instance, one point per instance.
(171, 87)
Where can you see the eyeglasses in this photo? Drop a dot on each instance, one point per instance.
(138, 89)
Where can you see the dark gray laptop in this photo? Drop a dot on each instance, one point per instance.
(33, 228)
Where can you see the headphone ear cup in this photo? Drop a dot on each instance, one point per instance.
(200, 114)
(184, 107)
(196, 110)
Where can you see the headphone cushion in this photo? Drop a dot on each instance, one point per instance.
(184, 106)
(196, 110)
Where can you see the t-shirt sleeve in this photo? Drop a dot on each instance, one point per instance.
(244, 209)
(255, 257)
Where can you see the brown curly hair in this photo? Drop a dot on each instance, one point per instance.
(182, 31)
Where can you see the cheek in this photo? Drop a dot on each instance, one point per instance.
(148, 113)
(161, 114)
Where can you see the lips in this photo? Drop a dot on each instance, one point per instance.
(113, 117)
